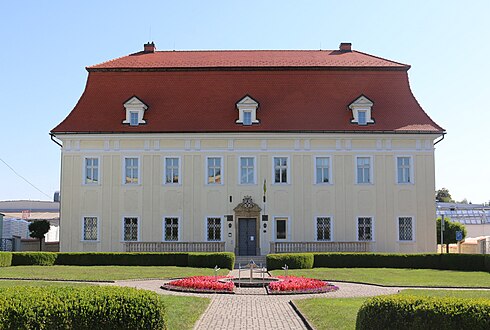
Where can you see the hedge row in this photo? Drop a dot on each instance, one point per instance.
(183, 259)
(410, 312)
(292, 260)
(23, 307)
(5, 259)
(465, 262)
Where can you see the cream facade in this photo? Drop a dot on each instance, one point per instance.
(176, 187)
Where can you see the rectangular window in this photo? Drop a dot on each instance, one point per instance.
(171, 229)
(214, 229)
(214, 170)
(364, 229)
(405, 228)
(322, 170)
(247, 118)
(247, 170)
(361, 118)
(90, 229)
(130, 229)
(363, 170)
(281, 228)
(172, 170)
(131, 170)
(91, 170)
(133, 118)
(403, 169)
(280, 170)
(323, 229)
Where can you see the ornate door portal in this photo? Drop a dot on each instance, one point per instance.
(247, 215)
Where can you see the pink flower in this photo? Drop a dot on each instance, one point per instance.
(300, 284)
(204, 283)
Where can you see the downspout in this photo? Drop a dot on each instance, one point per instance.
(61, 170)
(442, 138)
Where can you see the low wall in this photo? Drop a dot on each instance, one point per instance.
(33, 245)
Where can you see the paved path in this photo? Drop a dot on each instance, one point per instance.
(252, 308)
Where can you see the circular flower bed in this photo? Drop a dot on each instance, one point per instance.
(297, 285)
(201, 284)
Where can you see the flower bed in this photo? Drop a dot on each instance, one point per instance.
(297, 285)
(201, 284)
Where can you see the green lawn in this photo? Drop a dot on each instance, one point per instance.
(183, 312)
(102, 273)
(394, 276)
(330, 313)
(8, 283)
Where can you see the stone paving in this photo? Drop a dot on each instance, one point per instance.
(252, 308)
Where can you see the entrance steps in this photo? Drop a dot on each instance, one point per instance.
(244, 260)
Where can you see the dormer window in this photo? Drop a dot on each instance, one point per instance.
(135, 111)
(247, 111)
(361, 111)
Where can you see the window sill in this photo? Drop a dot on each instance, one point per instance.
(247, 184)
(88, 241)
(406, 242)
(323, 184)
(91, 184)
(172, 184)
(131, 184)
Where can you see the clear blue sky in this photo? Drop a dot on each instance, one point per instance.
(45, 46)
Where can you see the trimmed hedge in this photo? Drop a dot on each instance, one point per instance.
(23, 307)
(293, 260)
(5, 259)
(121, 259)
(182, 259)
(463, 262)
(33, 258)
(410, 312)
(210, 260)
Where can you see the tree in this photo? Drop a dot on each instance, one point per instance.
(443, 195)
(450, 229)
(38, 229)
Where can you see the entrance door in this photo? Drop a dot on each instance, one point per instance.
(247, 237)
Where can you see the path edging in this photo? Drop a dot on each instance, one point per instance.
(301, 316)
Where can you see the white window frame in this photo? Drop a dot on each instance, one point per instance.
(206, 227)
(315, 170)
(371, 170)
(288, 228)
(131, 122)
(397, 219)
(179, 225)
(124, 171)
(84, 178)
(247, 104)
(411, 170)
(373, 227)
(245, 122)
(165, 170)
(138, 231)
(83, 229)
(288, 169)
(134, 104)
(315, 219)
(222, 171)
(240, 171)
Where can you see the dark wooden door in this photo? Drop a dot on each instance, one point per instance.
(247, 237)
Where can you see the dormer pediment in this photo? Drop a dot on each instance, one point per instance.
(135, 111)
(247, 111)
(361, 111)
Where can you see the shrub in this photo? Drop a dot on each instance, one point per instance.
(210, 260)
(122, 259)
(410, 312)
(23, 307)
(5, 259)
(293, 260)
(33, 258)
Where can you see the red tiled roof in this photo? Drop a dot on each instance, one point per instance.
(248, 59)
(196, 91)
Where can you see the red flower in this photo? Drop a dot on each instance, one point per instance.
(204, 283)
(299, 284)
